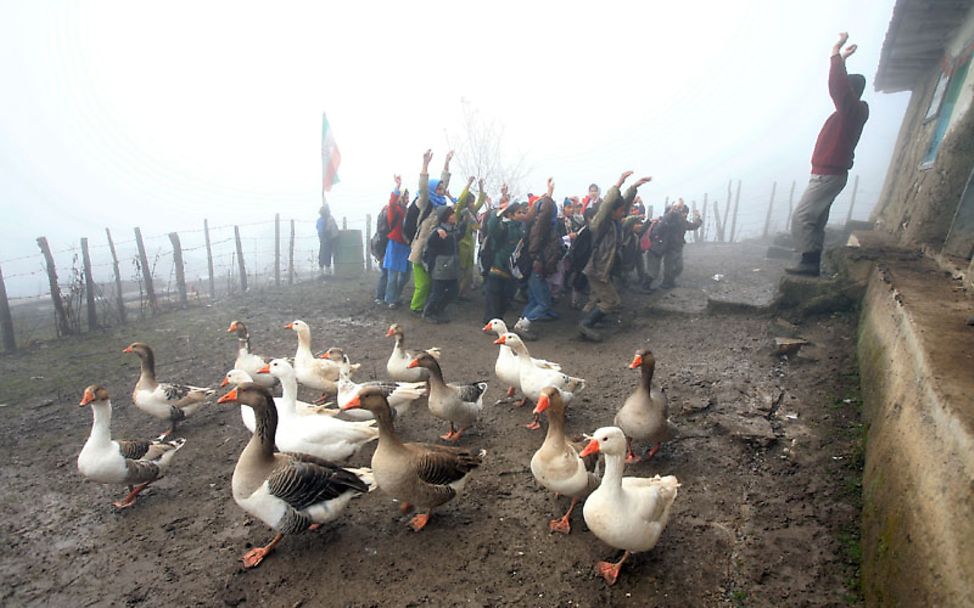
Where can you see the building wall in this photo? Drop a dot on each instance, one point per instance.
(919, 201)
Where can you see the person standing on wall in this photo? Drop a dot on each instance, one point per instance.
(327, 236)
(831, 160)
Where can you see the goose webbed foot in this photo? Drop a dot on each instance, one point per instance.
(610, 571)
(419, 521)
(129, 500)
(253, 558)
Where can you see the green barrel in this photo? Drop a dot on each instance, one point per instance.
(349, 254)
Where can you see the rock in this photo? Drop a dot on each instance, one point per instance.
(788, 346)
(753, 430)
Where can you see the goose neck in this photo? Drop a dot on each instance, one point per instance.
(101, 424)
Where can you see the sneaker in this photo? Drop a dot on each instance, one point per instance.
(589, 333)
(433, 320)
(523, 324)
(377, 301)
(394, 305)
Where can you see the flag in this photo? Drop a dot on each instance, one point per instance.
(330, 156)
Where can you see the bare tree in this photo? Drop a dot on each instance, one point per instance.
(479, 147)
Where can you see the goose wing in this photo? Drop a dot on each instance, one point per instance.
(181, 395)
(471, 393)
(304, 481)
(442, 465)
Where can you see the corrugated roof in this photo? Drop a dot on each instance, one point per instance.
(918, 34)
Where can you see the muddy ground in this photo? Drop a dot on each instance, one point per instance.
(767, 515)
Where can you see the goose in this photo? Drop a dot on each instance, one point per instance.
(401, 395)
(236, 377)
(506, 368)
(627, 513)
(556, 465)
(247, 360)
(645, 414)
(320, 374)
(460, 404)
(321, 436)
(290, 492)
(534, 378)
(398, 365)
(135, 463)
(165, 400)
(420, 476)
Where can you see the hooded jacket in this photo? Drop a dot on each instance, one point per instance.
(427, 225)
(607, 234)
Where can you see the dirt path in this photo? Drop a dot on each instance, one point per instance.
(767, 515)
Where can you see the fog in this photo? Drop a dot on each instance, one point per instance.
(123, 114)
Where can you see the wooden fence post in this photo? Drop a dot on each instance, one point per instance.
(737, 204)
(767, 218)
(290, 258)
(63, 327)
(240, 260)
(209, 258)
(719, 225)
(730, 197)
(89, 286)
(118, 277)
(146, 272)
(177, 258)
(6, 320)
(852, 202)
(368, 242)
(693, 209)
(791, 200)
(706, 224)
(277, 250)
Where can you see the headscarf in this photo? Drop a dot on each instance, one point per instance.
(438, 200)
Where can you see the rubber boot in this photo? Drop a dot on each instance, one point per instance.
(586, 327)
(809, 266)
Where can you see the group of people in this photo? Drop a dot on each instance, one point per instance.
(535, 251)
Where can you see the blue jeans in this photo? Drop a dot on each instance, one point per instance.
(380, 287)
(539, 299)
(395, 284)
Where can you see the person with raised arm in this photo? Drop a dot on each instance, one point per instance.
(432, 196)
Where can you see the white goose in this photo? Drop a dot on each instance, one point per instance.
(507, 367)
(401, 395)
(460, 404)
(556, 465)
(627, 513)
(165, 400)
(290, 492)
(320, 374)
(534, 378)
(236, 377)
(321, 436)
(398, 365)
(133, 463)
(247, 360)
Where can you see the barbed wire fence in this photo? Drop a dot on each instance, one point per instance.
(97, 283)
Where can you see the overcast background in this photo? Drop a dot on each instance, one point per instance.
(159, 115)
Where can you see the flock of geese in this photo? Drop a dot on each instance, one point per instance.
(287, 476)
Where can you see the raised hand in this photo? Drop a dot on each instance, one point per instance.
(470, 181)
(643, 180)
(480, 184)
(849, 50)
(398, 180)
(622, 178)
(551, 186)
(427, 157)
(843, 37)
(446, 163)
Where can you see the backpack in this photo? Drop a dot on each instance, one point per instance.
(413, 220)
(580, 250)
(520, 261)
(380, 240)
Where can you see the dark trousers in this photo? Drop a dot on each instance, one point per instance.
(380, 287)
(499, 291)
(325, 251)
(442, 292)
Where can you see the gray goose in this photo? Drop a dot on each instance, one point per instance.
(420, 475)
(164, 400)
(645, 414)
(246, 359)
(460, 404)
(135, 463)
(289, 492)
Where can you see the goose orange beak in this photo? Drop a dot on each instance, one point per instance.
(543, 403)
(591, 448)
(127, 349)
(637, 362)
(413, 363)
(354, 403)
(231, 396)
(486, 329)
(225, 382)
(501, 340)
(265, 370)
(390, 333)
(87, 398)
(233, 327)
(289, 326)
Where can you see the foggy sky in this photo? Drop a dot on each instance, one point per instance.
(159, 115)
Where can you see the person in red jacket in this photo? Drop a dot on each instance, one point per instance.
(831, 160)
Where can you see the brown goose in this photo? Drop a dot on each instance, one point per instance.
(420, 475)
(246, 359)
(460, 404)
(164, 400)
(556, 465)
(135, 463)
(397, 366)
(645, 414)
(289, 492)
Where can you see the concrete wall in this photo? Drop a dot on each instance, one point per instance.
(918, 204)
(918, 482)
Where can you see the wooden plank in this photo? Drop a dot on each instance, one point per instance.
(146, 272)
(706, 224)
(791, 200)
(119, 298)
(240, 259)
(6, 320)
(177, 258)
(209, 258)
(368, 241)
(277, 250)
(737, 205)
(89, 286)
(767, 218)
(61, 318)
(290, 258)
(852, 201)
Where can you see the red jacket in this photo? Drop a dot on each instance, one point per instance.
(395, 214)
(837, 140)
